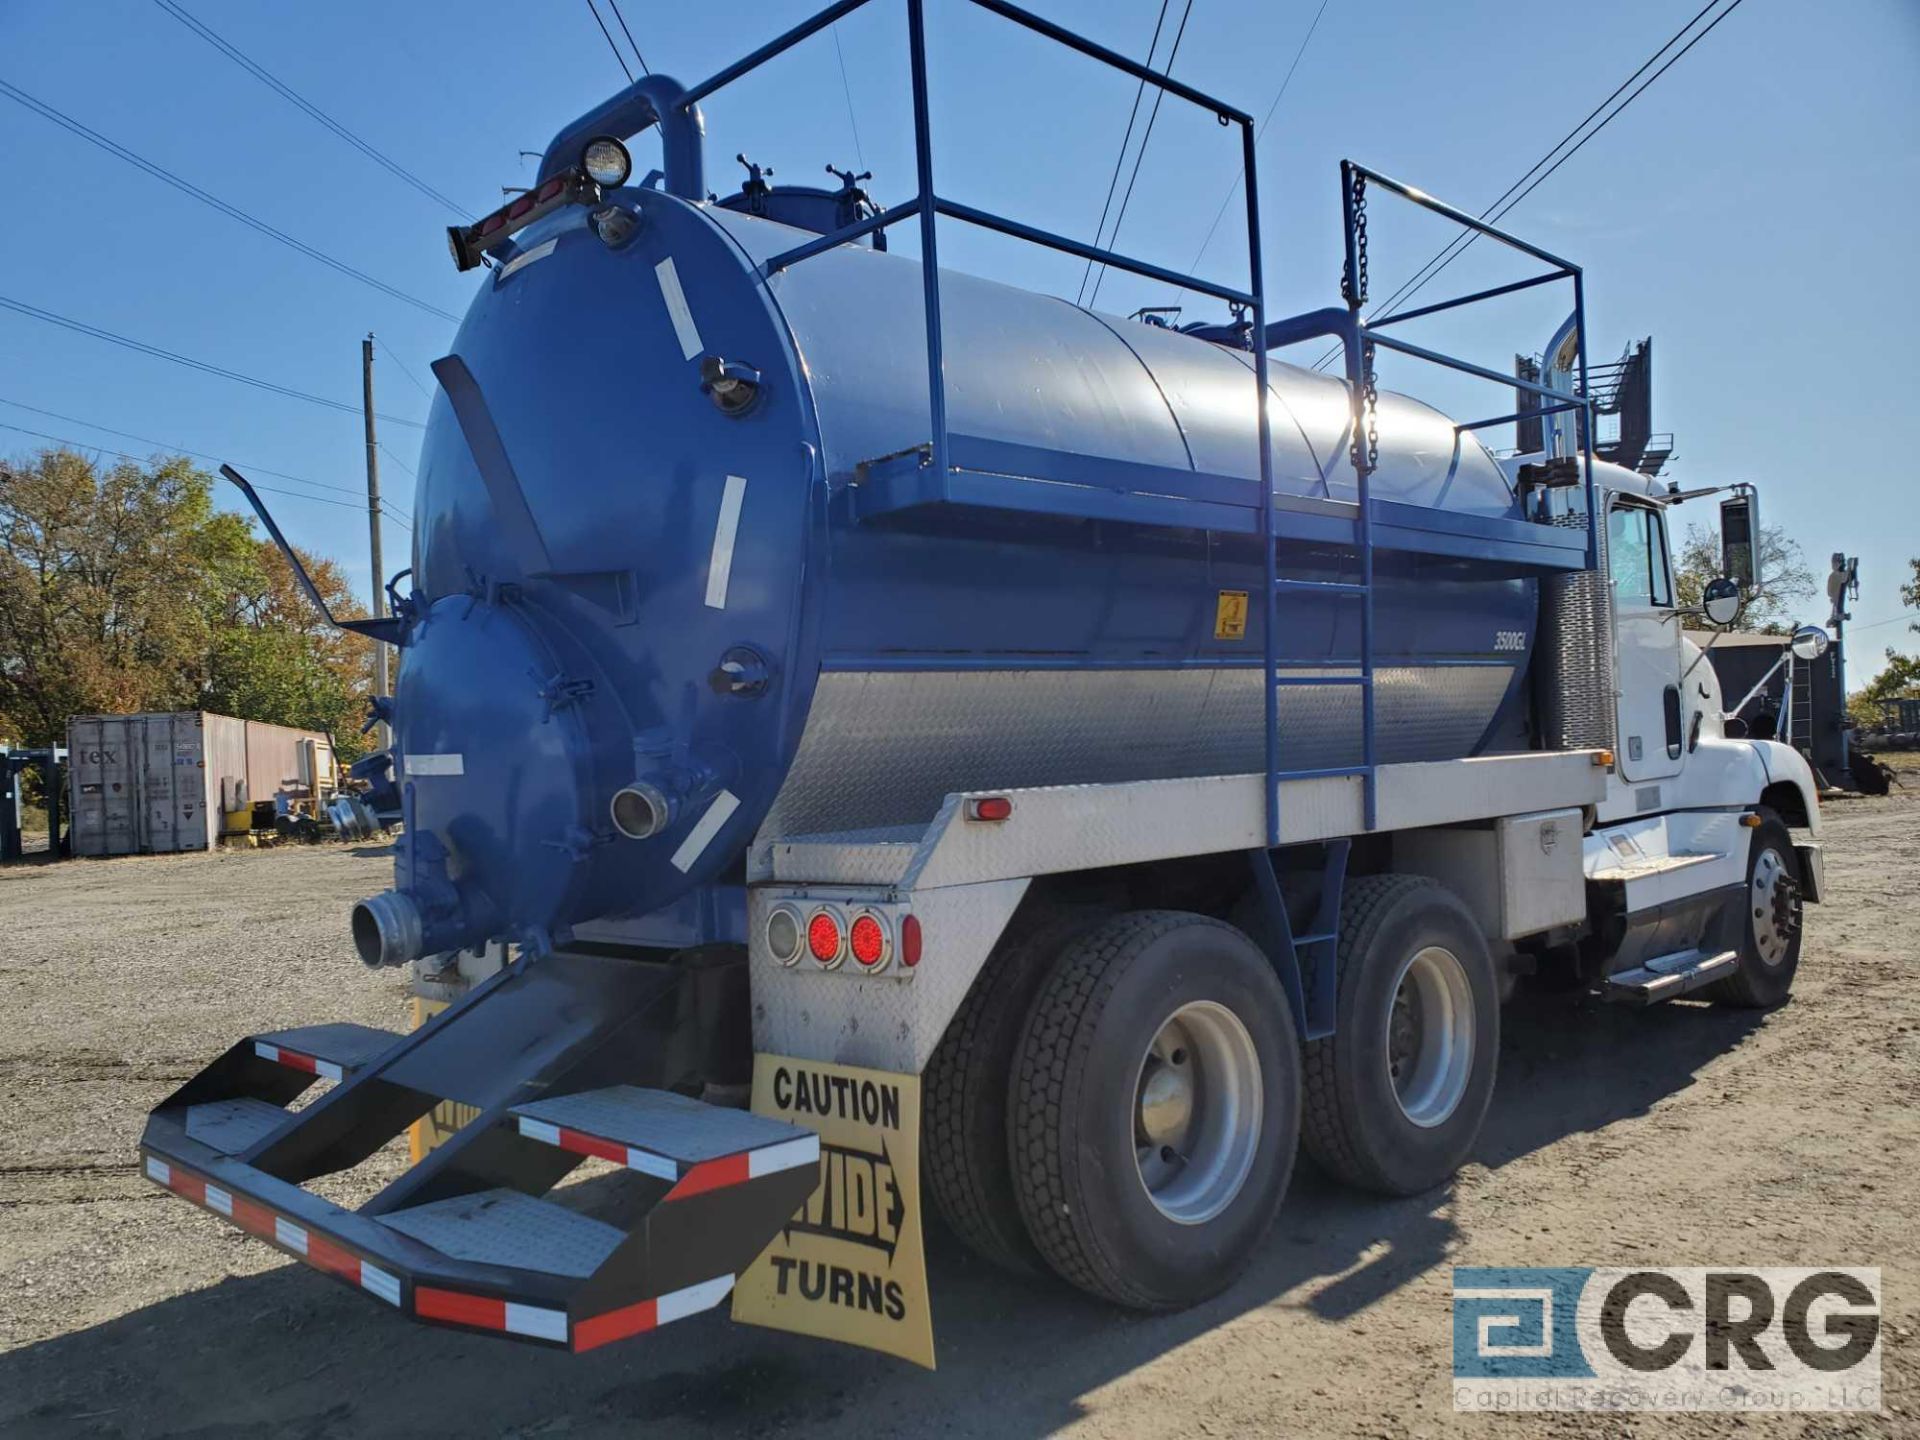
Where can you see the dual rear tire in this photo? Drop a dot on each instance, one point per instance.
(1153, 1094)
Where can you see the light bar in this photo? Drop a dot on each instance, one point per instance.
(469, 243)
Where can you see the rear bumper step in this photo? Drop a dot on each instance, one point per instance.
(471, 1237)
(466, 1304)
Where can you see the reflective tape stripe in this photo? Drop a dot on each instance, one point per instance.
(295, 1060)
(583, 1144)
(540, 1130)
(725, 530)
(436, 764)
(695, 1298)
(532, 1320)
(538, 252)
(486, 1313)
(482, 1311)
(317, 1250)
(787, 1155)
(683, 327)
(376, 1281)
(658, 1166)
(698, 838)
(637, 1319)
(711, 1175)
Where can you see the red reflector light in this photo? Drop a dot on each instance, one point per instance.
(492, 223)
(823, 938)
(992, 807)
(553, 187)
(868, 940)
(910, 941)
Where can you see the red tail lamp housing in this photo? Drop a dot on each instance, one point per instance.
(826, 939)
(867, 938)
(910, 941)
(992, 808)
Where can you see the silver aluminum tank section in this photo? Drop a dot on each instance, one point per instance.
(156, 783)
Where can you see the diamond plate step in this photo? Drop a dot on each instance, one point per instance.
(230, 1126)
(695, 1145)
(505, 1227)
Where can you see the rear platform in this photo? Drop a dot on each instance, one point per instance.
(566, 1058)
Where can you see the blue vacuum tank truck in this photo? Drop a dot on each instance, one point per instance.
(917, 736)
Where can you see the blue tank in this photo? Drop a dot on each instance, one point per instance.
(680, 626)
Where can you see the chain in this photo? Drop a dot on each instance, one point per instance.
(1358, 279)
(1372, 401)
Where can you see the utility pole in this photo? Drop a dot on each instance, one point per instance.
(380, 686)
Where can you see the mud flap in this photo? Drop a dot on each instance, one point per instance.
(851, 1265)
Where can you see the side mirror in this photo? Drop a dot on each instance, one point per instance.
(1809, 642)
(1720, 601)
(1740, 539)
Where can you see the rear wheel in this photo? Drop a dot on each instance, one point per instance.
(965, 1130)
(1396, 1095)
(1771, 919)
(1155, 1109)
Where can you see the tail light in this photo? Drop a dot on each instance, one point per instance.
(867, 938)
(826, 941)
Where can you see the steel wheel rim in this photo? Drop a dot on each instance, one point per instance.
(1197, 1109)
(1770, 903)
(1429, 1052)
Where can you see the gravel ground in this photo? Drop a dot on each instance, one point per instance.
(1681, 1135)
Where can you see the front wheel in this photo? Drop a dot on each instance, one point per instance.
(1155, 1109)
(1770, 922)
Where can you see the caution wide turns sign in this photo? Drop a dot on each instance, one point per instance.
(851, 1264)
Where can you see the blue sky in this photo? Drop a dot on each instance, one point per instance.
(1754, 211)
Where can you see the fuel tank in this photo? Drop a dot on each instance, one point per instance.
(651, 622)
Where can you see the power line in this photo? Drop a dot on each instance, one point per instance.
(1892, 620)
(287, 92)
(629, 34)
(178, 449)
(186, 187)
(78, 445)
(1141, 153)
(81, 327)
(1120, 160)
(415, 379)
(859, 156)
(1501, 207)
(625, 69)
(396, 460)
(1238, 177)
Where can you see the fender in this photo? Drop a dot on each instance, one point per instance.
(1786, 766)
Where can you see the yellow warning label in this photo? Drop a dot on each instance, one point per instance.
(1230, 615)
(439, 1124)
(851, 1265)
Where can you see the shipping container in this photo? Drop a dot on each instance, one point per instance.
(153, 784)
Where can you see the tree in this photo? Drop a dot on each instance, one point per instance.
(123, 589)
(273, 658)
(1786, 580)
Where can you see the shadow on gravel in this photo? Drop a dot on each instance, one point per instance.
(291, 1353)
